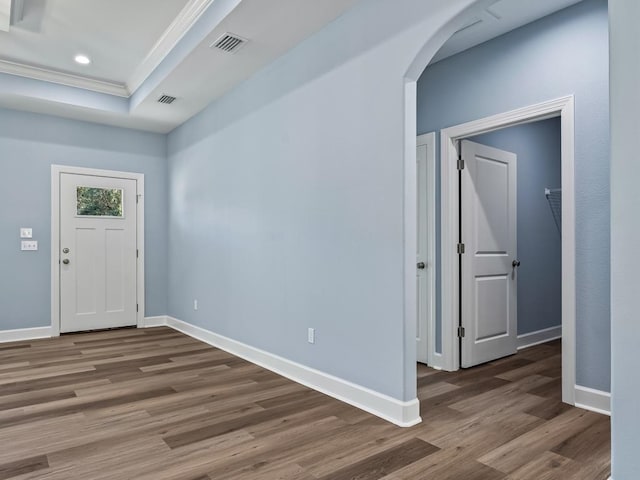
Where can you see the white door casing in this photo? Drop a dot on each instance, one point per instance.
(489, 272)
(102, 283)
(425, 258)
(564, 108)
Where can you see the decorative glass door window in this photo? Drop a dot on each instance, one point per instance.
(99, 202)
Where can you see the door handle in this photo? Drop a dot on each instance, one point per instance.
(421, 265)
(65, 261)
(515, 263)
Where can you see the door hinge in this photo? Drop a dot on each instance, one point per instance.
(460, 248)
(137, 253)
(137, 308)
(460, 164)
(461, 332)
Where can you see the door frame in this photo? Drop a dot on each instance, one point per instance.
(563, 108)
(56, 172)
(429, 139)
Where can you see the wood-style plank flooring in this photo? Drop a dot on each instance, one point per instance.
(157, 405)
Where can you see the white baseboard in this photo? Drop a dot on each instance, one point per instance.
(159, 321)
(403, 414)
(593, 400)
(541, 336)
(436, 361)
(25, 334)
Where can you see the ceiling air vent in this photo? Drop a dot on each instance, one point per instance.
(168, 99)
(229, 42)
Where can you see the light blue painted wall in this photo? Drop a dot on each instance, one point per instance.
(287, 200)
(565, 53)
(625, 235)
(29, 145)
(539, 246)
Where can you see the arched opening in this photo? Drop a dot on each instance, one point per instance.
(573, 89)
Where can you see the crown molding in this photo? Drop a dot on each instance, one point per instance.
(47, 75)
(181, 25)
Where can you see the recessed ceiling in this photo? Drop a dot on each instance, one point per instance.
(116, 35)
(141, 50)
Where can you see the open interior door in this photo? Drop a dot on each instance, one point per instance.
(489, 263)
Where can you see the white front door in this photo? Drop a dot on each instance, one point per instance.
(97, 252)
(489, 264)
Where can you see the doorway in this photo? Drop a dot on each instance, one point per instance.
(452, 305)
(97, 255)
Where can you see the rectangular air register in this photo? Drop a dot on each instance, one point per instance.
(229, 42)
(168, 99)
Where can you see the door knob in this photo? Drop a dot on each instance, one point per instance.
(65, 261)
(515, 263)
(421, 265)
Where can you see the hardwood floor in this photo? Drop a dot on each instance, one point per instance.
(155, 404)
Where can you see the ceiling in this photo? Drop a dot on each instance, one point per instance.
(143, 49)
(116, 34)
(501, 17)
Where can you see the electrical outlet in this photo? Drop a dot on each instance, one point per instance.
(195, 304)
(311, 335)
(29, 245)
(26, 232)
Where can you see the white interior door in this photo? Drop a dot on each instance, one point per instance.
(97, 252)
(425, 168)
(489, 273)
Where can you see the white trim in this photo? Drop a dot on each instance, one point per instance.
(140, 272)
(532, 339)
(593, 400)
(187, 17)
(56, 171)
(429, 139)
(564, 108)
(436, 362)
(403, 414)
(410, 230)
(24, 334)
(62, 78)
(150, 322)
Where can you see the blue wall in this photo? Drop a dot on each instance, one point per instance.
(292, 185)
(539, 245)
(625, 232)
(29, 145)
(565, 53)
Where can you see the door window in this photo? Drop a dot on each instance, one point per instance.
(99, 202)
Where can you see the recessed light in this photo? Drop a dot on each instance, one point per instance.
(82, 59)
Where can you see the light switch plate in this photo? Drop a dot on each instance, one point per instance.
(29, 245)
(26, 232)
